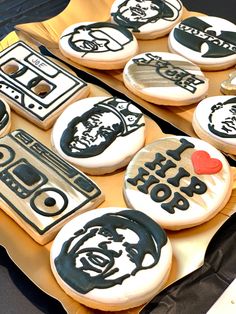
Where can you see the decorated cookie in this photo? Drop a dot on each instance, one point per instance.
(5, 118)
(35, 87)
(228, 86)
(111, 258)
(39, 190)
(214, 121)
(147, 19)
(99, 134)
(208, 41)
(165, 79)
(178, 181)
(100, 45)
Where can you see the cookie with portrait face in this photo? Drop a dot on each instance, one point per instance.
(214, 121)
(99, 134)
(111, 259)
(100, 45)
(147, 19)
(178, 181)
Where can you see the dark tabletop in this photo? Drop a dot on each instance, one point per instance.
(17, 294)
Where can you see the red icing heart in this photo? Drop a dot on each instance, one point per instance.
(204, 164)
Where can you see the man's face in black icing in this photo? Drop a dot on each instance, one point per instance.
(110, 249)
(139, 10)
(90, 134)
(94, 39)
(223, 120)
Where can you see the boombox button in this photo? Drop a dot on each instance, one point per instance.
(84, 184)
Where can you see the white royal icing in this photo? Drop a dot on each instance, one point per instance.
(99, 134)
(165, 78)
(35, 87)
(40, 190)
(98, 45)
(207, 41)
(5, 117)
(203, 195)
(122, 256)
(216, 117)
(147, 19)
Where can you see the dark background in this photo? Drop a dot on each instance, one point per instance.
(17, 294)
(224, 8)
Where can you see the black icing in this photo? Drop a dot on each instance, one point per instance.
(47, 205)
(98, 37)
(148, 180)
(136, 14)
(4, 116)
(176, 153)
(28, 94)
(86, 267)
(226, 128)
(91, 133)
(28, 183)
(193, 33)
(170, 71)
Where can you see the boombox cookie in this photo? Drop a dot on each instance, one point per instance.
(5, 118)
(99, 134)
(111, 258)
(100, 45)
(208, 41)
(35, 87)
(39, 190)
(165, 79)
(178, 181)
(214, 121)
(147, 19)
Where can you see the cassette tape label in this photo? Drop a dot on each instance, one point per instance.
(42, 65)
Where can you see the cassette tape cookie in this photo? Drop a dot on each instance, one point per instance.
(35, 87)
(38, 189)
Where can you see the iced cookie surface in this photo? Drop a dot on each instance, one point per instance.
(100, 45)
(165, 78)
(111, 258)
(35, 87)
(208, 41)
(178, 181)
(39, 190)
(99, 134)
(5, 118)
(214, 121)
(147, 19)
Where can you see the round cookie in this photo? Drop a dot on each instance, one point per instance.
(180, 182)
(165, 78)
(100, 45)
(228, 86)
(99, 134)
(208, 41)
(5, 118)
(214, 121)
(111, 258)
(147, 19)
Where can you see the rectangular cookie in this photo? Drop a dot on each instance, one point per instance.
(35, 87)
(38, 189)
